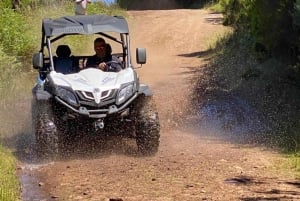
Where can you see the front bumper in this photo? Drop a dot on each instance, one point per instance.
(98, 113)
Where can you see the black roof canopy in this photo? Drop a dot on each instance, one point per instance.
(84, 24)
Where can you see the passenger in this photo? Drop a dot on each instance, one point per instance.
(64, 63)
(103, 58)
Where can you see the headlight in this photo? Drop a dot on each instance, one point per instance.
(66, 95)
(125, 93)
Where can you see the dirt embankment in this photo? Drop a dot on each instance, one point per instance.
(192, 163)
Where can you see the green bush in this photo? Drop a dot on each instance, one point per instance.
(6, 4)
(273, 24)
(14, 37)
(9, 185)
(236, 12)
(9, 66)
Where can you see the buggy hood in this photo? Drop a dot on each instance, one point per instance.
(91, 78)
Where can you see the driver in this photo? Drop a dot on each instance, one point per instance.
(103, 58)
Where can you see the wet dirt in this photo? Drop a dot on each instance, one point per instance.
(195, 161)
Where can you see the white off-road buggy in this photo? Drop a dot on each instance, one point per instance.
(89, 100)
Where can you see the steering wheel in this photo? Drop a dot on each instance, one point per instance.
(113, 66)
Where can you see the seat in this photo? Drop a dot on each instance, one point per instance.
(63, 63)
(108, 49)
(114, 66)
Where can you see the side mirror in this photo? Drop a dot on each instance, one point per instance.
(38, 60)
(141, 55)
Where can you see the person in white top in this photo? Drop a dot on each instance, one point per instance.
(80, 6)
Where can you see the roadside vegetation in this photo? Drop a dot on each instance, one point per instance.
(259, 62)
(270, 86)
(19, 39)
(9, 185)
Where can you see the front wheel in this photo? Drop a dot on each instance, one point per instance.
(147, 126)
(46, 132)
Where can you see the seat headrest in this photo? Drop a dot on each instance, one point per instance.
(63, 51)
(108, 49)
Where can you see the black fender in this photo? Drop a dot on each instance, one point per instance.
(40, 94)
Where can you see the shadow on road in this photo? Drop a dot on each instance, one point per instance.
(272, 193)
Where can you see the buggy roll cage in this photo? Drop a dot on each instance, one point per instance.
(55, 29)
(124, 42)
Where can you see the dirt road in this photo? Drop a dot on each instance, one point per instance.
(191, 164)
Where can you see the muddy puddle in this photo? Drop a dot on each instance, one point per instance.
(31, 185)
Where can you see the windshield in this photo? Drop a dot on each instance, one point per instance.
(82, 52)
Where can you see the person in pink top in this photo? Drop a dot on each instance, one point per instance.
(80, 6)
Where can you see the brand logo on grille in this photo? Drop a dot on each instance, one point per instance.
(96, 90)
(97, 95)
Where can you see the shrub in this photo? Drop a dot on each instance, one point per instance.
(9, 66)
(9, 185)
(14, 37)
